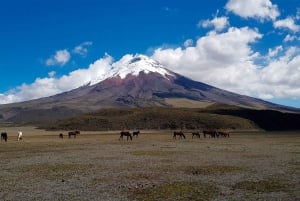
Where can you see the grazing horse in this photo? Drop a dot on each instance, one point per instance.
(20, 135)
(196, 134)
(125, 133)
(211, 133)
(179, 133)
(61, 135)
(135, 133)
(224, 133)
(4, 136)
(74, 133)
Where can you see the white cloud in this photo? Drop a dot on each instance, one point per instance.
(215, 50)
(282, 75)
(226, 60)
(260, 9)
(43, 87)
(298, 14)
(61, 57)
(218, 23)
(51, 74)
(274, 52)
(188, 43)
(290, 38)
(287, 23)
(82, 48)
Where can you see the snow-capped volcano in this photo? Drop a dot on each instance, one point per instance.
(134, 81)
(134, 66)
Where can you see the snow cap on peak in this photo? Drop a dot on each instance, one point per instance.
(133, 65)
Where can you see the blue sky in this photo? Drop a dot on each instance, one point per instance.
(250, 47)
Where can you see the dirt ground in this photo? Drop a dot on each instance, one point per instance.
(154, 166)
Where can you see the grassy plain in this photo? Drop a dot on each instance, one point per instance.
(97, 166)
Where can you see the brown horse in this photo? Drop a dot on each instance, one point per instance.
(4, 136)
(211, 133)
(224, 133)
(125, 133)
(197, 134)
(74, 133)
(179, 133)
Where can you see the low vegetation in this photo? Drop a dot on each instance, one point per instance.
(262, 186)
(183, 191)
(212, 169)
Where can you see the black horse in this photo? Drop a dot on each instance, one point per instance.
(125, 133)
(211, 133)
(61, 135)
(197, 134)
(74, 133)
(4, 136)
(135, 133)
(179, 133)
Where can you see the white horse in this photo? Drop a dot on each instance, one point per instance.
(20, 135)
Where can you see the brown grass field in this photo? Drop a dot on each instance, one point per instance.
(153, 167)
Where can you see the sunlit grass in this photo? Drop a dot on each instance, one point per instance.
(262, 186)
(212, 169)
(55, 171)
(183, 191)
(152, 153)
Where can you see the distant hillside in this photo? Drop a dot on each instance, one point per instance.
(213, 117)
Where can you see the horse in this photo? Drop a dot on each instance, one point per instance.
(135, 133)
(195, 134)
(61, 135)
(224, 133)
(20, 135)
(4, 136)
(74, 133)
(125, 133)
(212, 133)
(179, 133)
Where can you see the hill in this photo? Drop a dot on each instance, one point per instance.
(213, 117)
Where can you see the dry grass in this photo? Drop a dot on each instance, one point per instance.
(181, 191)
(152, 153)
(212, 169)
(263, 186)
(97, 166)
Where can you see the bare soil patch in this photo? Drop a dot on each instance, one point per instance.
(99, 166)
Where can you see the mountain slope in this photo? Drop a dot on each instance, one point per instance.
(137, 82)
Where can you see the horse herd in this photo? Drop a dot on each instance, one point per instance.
(180, 134)
(209, 133)
(129, 135)
(70, 134)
